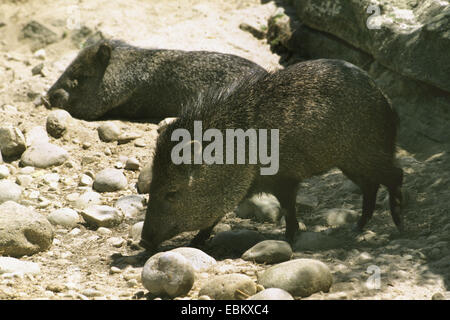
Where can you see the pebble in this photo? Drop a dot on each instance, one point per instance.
(58, 122)
(237, 241)
(140, 143)
(261, 207)
(65, 217)
(338, 217)
(168, 274)
(44, 155)
(199, 260)
(131, 206)
(36, 135)
(229, 287)
(10, 265)
(268, 251)
(104, 231)
(40, 54)
(23, 231)
(116, 242)
(4, 172)
(132, 164)
(102, 216)
(312, 241)
(272, 294)
(12, 141)
(86, 180)
(75, 232)
(24, 180)
(9, 191)
(108, 132)
(109, 180)
(299, 277)
(115, 270)
(91, 293)
(87, 199)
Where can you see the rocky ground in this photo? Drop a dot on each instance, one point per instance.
(81, 260)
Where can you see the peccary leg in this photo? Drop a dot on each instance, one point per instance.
(203, 235)
(394, 183)
(286, 194)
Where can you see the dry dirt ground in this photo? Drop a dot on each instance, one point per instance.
(415, 265)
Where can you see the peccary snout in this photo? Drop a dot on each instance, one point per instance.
(58, 98)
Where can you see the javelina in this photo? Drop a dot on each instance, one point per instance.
(329, 114)
(113, 79)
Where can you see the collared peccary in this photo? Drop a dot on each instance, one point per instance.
(113, 79)
(329, 114)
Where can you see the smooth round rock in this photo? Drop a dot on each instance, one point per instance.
(338, 217)
(9, 191)
(272, 294)
(16, 266)
(237, 241)
(12, 141)
(102, 216)
(57, 123)
(168, 274)
(132, 164)
(4, 172)
(65, 217)
(109, 180)
(312, 241)
(269, 251)
(23, 231)
(262, 207)
(88, 199)
(299, 277)
(199, 260)
(131, 206)
(44, 155)
(136, 231)
(229, 287)
(108, 132)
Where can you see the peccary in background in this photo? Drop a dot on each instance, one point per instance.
(329, 114)
(113, 79)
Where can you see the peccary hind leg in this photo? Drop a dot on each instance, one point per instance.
(395, 196)
(286, 192)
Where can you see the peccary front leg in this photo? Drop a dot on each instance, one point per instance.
(369, 200)
(395, 197)
(286, 193)
(203, 235)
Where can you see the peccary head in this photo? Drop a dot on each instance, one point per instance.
(77, 89)
(189, 197)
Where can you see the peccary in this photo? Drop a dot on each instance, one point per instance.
(113, 79)
(329, 114)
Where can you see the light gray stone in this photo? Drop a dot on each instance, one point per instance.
(338, 217)
(272, 294)
(58, 121)
(132, 164)
(12, 141)
(269, 251)
(131, 206)
(299, 277)
(262, 207)
(312, 241)
(23, 231)
(65, 217)
(4, 171)
(102, 216)
(109, 180)
(36, 135)
(168, 274)
(9, 191)
(16, 266)
(229, 287)
(108, 132)
(136, 231)
(87, 199)
(44, 155)
(199, 260)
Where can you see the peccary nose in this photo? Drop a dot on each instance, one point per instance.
(58, 98)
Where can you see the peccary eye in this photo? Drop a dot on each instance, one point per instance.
(171, 196)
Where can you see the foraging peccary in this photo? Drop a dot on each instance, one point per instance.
(113, 79)
(329, 114)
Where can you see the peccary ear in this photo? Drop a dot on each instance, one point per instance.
(104, 53)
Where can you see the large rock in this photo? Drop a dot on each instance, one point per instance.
(12, 141)
(299, 277)
(199, 260)
(272, 294)
(23, 231)
(58, 122)
(44, 155)
(229, 287)
(408, 37)
(102, 216)
(262, 207)
(168, 274)
(65, 217)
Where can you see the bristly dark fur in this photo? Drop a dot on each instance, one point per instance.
(328, 113)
